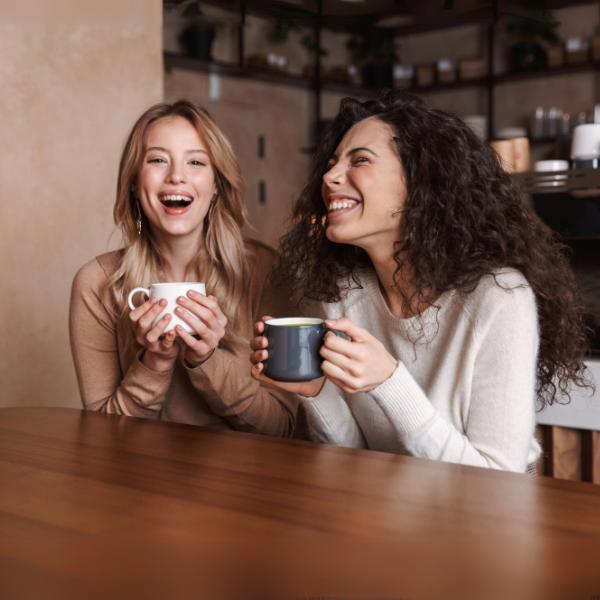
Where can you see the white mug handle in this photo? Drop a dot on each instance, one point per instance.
(145, 290)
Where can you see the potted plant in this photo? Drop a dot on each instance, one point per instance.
(528, 54)
(197, 38)
(280, 33)
(308, 43)
(374, 50)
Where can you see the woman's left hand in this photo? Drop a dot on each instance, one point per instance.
(210, 329)
(359, 365)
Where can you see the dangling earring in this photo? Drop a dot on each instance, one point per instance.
(139, 219)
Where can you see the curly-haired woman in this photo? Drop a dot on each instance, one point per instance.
(460, 309)
(180, 209)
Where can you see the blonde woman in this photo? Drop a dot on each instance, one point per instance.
(180, 210)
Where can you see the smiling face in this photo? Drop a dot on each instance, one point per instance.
(364, 188)
(176, 180)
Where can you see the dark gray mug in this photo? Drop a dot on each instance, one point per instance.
(293, 349)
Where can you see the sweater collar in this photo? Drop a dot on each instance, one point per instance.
(373, 293)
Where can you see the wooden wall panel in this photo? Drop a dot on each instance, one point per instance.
(542, 460)
(563, 452)
(590, 456)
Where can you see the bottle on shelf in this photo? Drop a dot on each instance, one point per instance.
(565, 125)
(538, 124)
(552, 129)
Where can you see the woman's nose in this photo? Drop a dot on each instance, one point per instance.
(335, 176)
(176, 174)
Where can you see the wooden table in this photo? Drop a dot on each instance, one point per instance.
(101, 506)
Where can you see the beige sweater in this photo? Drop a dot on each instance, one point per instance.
(219, 393)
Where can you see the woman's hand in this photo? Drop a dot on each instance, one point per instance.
(160, 354)
(259, 346)
(210, 326)
(359, 365)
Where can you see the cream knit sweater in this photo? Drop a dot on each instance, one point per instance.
(465, 393)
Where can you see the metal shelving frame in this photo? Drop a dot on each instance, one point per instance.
(484, 17)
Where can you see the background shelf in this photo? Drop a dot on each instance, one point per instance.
(319, 15)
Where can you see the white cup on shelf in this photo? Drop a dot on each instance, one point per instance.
(551, 165)
(585, 147)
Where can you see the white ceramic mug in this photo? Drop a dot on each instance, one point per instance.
(170, 292)
(586, 142)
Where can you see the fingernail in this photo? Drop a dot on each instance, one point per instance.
(163, 302)
(182, 299)
(330, 321)
(191, 293)
(166, 317)
(178, 327)
(179, 311)
(153, 301)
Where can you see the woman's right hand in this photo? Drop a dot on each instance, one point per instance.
(259, 344)
(160, 354)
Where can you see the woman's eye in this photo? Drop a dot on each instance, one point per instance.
(157, 160)
(197, 163)
(360, 159)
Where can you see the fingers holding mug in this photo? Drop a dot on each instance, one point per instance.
(259, 341)
(136, 314)
(258, 356)
(258, 345)
(259, 326)
(146, 320)
(155, 332)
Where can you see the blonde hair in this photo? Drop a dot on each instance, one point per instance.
(221, 261)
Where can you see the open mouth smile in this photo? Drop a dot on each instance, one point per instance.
(175, 200)
(342, 205)
(175, 204)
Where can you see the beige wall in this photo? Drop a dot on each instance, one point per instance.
(74, 75)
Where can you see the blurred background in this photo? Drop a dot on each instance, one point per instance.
(76, 74)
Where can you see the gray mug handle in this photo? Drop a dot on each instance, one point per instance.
(337, 332)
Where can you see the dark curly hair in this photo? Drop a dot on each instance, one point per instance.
(464, 217)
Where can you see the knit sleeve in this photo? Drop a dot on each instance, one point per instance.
(330, 420)
(139, 392)
(225, 379)
(499, 426)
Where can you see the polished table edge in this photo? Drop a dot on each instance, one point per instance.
(561, 484)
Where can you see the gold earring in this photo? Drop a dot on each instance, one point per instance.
(139, 219)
